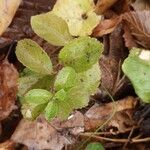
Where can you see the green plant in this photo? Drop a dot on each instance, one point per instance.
(95, 146)
(137, 68)
(41, 89)
(71, 87)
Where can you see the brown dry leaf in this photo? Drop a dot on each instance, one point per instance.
(110, 63)
(97, 115)
(121, 122)
(8, 145)
(7, 11)
(103, 5)
(8, 88)
(129, 40)
(107, 26)
(139, 25)
(141, 5)
(74, 124)
(40, 134)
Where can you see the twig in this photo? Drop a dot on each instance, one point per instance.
(109, 133)
(129, 138)
(104, 138)
(116, 140)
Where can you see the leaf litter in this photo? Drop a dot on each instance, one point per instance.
(129, 29)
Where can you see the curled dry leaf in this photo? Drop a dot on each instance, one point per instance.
(7, 11)
(8, 88)
(138, 23)
(97, 115)
(107, 26)
(121, 122)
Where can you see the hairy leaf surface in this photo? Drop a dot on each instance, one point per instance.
(51, 28)
(31, 55)
(34, 102)
(81, 53)
(65, 79)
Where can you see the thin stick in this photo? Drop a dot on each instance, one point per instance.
(10, 48)
(116, 140)
(129, 138)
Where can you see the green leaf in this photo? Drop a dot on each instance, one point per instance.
(81, 53)
(31, 55)
(79, 15)
(34, 102)
(32, 112)
(31, 80)
(95, 146)
(51, 110)
(65, 79)
(37, 96)
(77, 97)
(64, 107)
(58, 106)
(137, 68)
(63, 103)
(51, 28)
(90, 79)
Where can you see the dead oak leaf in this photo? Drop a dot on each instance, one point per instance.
(138, 23)
(40, 134)
(8, 88)
(97, 115)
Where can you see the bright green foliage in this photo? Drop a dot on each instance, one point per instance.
(34, 102)
(32, 111)
(65, 79)
(81, 53)
(64, 106)
(80, 76)
(63, 103)
(37, 96)
(95, 146)
(79, 15)
(137, 68)
(31, 80)
(78, 97)
(73, 84)
(31, 55)
(59, 106)
(51, 110)
(51, 28)
(90, 79)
